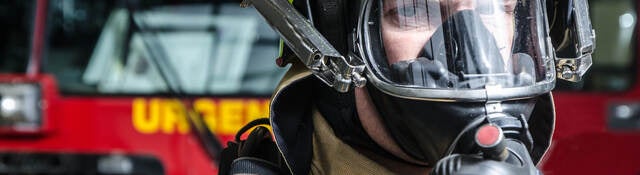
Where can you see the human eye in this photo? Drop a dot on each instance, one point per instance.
(410, 11)
(406, 12)
(411, 15)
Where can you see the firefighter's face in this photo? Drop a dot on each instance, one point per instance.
(408, 24)
(406, 27)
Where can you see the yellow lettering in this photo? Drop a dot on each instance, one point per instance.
(207, 108)
(141, 122)
(257, 109)
(222, 117)
(174, 114)
(231, 116)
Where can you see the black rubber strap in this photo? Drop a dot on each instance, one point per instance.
(245, 128)
(330, 18)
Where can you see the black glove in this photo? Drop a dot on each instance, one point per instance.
(518, 162)
(258, 154)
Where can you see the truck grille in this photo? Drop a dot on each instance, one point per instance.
(80, 164)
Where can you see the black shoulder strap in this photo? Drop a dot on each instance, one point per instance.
(258, 154)
(331, 20)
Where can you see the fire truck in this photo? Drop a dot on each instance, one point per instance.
(129, 87)
(598, 122)
(158, 86)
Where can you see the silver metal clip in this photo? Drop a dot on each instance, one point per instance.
(573, 69)
(310, 46)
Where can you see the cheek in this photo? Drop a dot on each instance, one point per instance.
(403, 45)
(509, 30)
(512, 28)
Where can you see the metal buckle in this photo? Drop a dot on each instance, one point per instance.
(573, 69)
(310, 46)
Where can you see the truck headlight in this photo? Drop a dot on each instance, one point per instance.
(20, 108)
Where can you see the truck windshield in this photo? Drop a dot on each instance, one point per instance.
(16, 21)
(156, 47)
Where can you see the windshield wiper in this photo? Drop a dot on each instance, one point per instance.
(169, 75)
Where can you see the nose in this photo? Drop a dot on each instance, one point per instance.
(450, 7)
(459, 5)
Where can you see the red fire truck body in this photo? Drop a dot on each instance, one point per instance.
(123, 132)
(584, 144)
(79, 127)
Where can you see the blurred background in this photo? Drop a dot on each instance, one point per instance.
(158, 86)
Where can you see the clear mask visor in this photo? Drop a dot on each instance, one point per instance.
(457, 44)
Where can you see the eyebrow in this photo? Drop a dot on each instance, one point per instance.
(394, 3)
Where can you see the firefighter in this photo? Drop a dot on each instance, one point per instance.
(417, 87)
